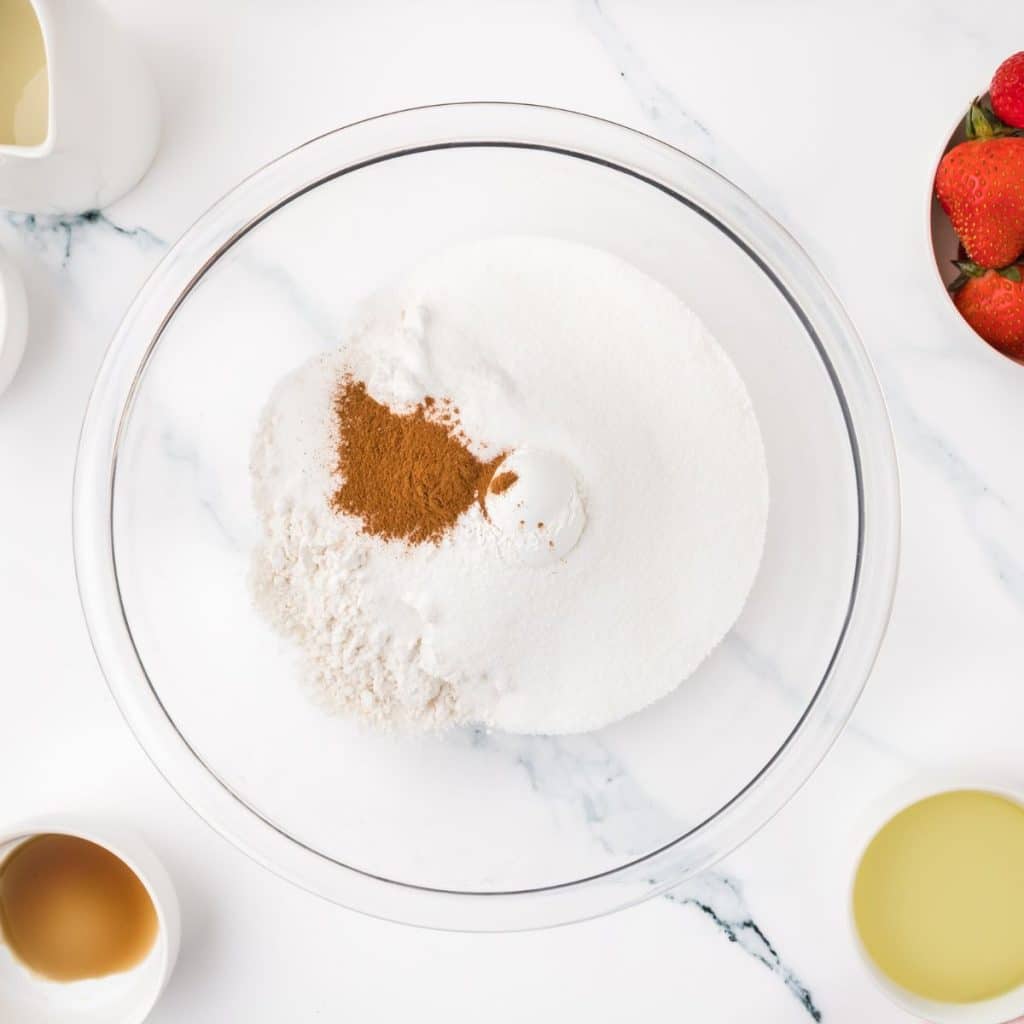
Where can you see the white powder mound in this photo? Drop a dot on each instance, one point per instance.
(628, 422)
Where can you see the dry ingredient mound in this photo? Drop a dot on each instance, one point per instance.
(528, 490)
(406, 476)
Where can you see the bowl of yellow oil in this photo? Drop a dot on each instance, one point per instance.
(937, 902)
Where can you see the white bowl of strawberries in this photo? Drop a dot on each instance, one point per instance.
(977, 221)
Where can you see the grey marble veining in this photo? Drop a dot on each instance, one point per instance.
(720, 898)
(583, 777)
(989, 516)
(55, 235)
(184, 455)
(670, 120)
(665, 115)
(580, 777)
(767, 670)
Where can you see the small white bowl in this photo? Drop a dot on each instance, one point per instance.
(1001, 1010)
(13, 321)
(944, 246)
(125, 998)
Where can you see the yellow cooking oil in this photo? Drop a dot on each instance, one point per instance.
(938, 898)
(24, 81)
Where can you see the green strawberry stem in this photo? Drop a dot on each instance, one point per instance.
(969, 269)
(981, 123)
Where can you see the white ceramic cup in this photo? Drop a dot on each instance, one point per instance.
(1001, 1010)
(104, 118)
(125, 998)
(13, 321)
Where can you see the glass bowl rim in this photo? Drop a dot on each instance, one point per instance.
(624, 149)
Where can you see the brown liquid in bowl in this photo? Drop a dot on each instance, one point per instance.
(70, 909)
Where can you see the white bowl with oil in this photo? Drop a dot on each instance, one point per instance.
(124, 998)
(999, 1009)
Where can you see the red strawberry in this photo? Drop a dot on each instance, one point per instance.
(980, 184)
(1007, 91)
(992, 302)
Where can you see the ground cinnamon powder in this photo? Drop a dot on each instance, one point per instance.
(503, 481)
(407, 476)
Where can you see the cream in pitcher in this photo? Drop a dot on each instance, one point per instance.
(79, 117)
(24, 82)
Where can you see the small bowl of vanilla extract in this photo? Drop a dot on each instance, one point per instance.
(89, 924)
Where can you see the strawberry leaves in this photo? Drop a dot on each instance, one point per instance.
(969, 269)
(982, 123)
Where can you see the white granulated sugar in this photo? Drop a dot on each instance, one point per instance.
(628, 423)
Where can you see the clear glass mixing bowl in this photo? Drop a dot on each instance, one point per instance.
(472, 830)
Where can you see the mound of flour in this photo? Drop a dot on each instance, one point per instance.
(544, 347)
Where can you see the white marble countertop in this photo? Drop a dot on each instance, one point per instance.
(830, 115)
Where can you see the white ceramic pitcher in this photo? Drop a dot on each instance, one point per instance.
(104, 119)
